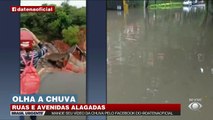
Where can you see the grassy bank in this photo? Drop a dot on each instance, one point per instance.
(170, 5)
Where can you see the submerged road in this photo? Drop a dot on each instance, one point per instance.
(63, 83)
(161, 56)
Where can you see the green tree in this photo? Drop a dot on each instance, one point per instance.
(71, 35)
(49, 26)
(79, 17)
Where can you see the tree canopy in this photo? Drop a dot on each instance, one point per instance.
(64, 23)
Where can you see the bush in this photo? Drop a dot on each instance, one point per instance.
(49, 26)
(71, 35)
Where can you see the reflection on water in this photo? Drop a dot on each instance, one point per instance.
(161, 56)
(193, 8)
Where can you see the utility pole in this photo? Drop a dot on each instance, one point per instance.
(146, 3)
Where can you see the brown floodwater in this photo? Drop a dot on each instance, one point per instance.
(63, 83)
(161, 56)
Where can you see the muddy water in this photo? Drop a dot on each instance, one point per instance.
(161, 56)
(63, 83)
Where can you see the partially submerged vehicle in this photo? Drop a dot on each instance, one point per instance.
(187, 2)
(193, 3)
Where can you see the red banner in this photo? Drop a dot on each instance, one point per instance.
(32, 9)
(95, 107)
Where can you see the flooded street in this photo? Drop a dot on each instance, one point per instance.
(63, 83)
(161, 56)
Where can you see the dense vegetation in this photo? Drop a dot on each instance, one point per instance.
(64, 23)
(168, 5)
